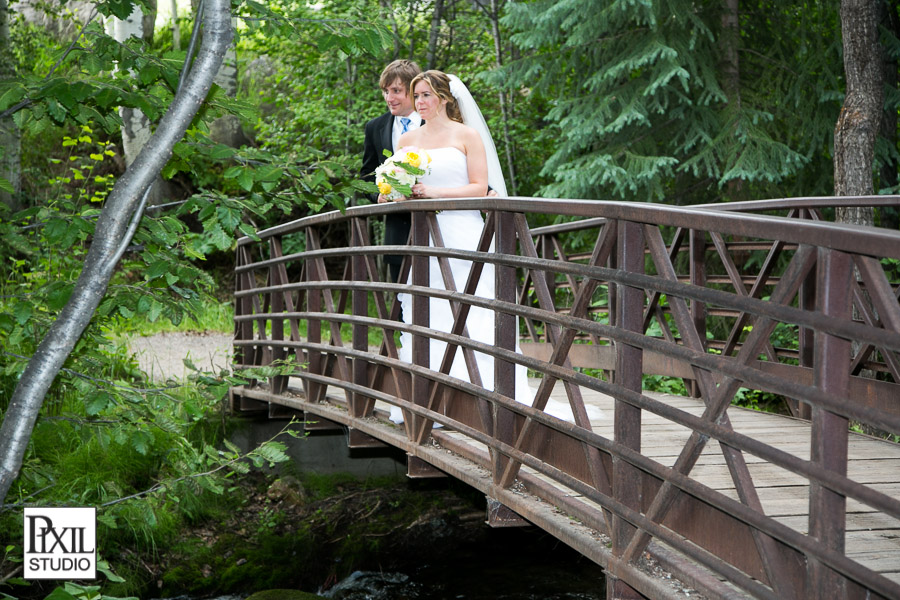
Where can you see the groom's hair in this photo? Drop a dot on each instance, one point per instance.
(405, 70)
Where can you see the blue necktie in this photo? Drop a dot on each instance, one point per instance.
(405, 121)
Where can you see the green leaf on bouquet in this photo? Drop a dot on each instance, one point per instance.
(411, 169)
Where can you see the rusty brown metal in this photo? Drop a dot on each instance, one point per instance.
(786, 332)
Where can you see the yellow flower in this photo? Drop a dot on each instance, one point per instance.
(385, 188)
(413, 159)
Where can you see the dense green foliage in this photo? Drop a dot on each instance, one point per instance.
(660, 101)
(653, 100)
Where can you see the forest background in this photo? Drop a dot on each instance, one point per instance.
(675, 101)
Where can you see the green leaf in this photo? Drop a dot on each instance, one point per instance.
(140, 441)
(104, 568)
(219, 238)
(97, 403)
(11, 96)
(22, 312)
(157, 269)
(222, 152)
(6, 186)
(245, 179)
(60, 594)
(58, 296)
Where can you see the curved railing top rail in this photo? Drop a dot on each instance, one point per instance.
(765, 205)
(851, 238)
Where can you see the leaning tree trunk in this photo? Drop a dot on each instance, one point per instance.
(858, 124)
(10, 136)
(112, 234)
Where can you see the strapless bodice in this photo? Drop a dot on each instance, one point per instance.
(448, 167)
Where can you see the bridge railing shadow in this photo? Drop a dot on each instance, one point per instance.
(764, 296)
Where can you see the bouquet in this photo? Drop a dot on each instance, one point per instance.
(401, 171)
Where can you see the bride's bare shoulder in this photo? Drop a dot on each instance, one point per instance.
(410, 138)
(470, 136)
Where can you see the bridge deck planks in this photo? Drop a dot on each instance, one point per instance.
(873, 539)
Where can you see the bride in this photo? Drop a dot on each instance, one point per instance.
(463, 163)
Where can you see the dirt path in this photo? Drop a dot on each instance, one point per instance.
(162, 356)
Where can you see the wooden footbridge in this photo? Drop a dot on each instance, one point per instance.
(670, 494)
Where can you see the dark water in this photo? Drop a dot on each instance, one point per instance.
(508, 564)
(504, 564)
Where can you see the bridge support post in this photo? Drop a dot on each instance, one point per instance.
(360, 406)
(830, 437)
(627, 479)
(505, 335)
(616, 589)
(416, 468)
(421, 344)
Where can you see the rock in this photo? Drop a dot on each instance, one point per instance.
(287, 489)
(283, 595)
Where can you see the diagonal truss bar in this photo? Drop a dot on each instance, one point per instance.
(388, 344)
(281, 300)
(317, 268)
(887, 310)
(247, 305)
(755, 292)
(870, 318)
(737, 281)
(718, 398)
(570, 278)
(562, 342)
(460, 311)
(653, 308)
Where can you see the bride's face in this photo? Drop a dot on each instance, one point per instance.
(428, 104)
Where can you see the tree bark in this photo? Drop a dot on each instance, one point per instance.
(176, 30)
(10, 136)
(135, 125)
(860, 117)
(731, 79)
(148, 22)
(433, 34)
(890, 216)
(504, 105)
(112, 234)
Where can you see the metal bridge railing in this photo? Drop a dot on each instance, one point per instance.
(724, 299)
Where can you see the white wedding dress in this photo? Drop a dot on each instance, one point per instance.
(460, 229)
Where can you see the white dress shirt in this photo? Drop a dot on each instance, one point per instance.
(414, 121)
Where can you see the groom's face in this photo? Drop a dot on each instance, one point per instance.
(397, 99)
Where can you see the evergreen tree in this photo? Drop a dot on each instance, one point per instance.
(679, 100)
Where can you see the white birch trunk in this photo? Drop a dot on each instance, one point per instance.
(135, 125)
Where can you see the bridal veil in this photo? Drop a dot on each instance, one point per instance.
(472, 117)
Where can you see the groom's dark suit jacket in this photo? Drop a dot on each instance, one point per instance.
(377, 140)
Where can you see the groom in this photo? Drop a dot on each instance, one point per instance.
(382, 134)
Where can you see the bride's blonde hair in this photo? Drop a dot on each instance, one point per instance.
(440, 85)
